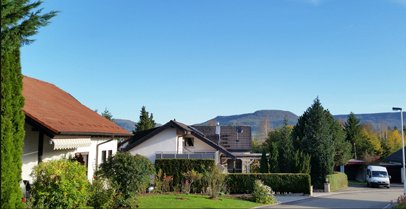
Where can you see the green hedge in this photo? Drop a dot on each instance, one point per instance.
(279, 182)
(175, 167)
(337, 181)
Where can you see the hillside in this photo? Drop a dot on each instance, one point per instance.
(128, 125)
(275, 119)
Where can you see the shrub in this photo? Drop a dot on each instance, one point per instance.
(337, 181)
(215, 180)
(102, 193)
(175, 168)
(131, 174)
(401, 202)
(280, 182)
(189, 178)
(262, 193)
(59, 184)
(162, 182)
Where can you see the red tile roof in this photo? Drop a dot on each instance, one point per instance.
(61, 113)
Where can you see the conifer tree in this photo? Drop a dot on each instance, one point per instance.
(273, 158)
(312, 136)
(146, 121)
(353, 133)
(107, 114)
(18, 23)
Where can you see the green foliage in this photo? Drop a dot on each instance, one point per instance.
(60, 184)
(301, 162)
(280, 182)
(146, 121)
(102, 194)
(262, 193)
(189, 178)
(342, 147)
(263, 164)
(107, 114)
(12, 129)
(131, 174)
(353, 132)
(162, 182)
(175, 167)
(273, 158)
(215, 179)
(313, 136)
(19, 21)
(337, 181)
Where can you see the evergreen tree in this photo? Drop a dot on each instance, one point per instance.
(353, 133)
(146, 121)
(107, 114)
(285, 149)
(263, 164)
(341, 145)
(313, 136)
(18, 23)
(300, 162)
(273, 158)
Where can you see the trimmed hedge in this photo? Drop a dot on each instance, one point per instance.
(337, 181)
(238, 183)
(175, 167)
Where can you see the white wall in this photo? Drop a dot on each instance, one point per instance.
(30, 153)
(165, 141)
(199, 146)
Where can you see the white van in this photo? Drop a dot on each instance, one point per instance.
(377, 176)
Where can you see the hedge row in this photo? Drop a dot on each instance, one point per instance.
(279, 182)
(175, 167)
(337, 181)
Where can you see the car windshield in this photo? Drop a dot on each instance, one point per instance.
(379, 174)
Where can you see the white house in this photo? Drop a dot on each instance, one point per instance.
(175, 140)
(57, 126)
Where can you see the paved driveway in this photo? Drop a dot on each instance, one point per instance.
(353, 197)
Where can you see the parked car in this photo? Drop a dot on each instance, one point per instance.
(377, 176)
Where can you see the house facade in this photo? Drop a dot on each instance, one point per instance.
(59, 126)
(175, 140)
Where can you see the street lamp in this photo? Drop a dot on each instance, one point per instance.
(403, 147)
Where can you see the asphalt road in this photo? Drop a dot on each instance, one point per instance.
(353, 197)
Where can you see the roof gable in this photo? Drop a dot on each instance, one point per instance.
(60, 113)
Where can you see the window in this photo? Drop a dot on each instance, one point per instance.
(104, 156)
(110, 153)
(189, 142)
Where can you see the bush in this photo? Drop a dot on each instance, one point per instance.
(59, 184)
(102, 194)
(162, 182)
(131, 174)
(262, 193)
(215, 180)
(189, 178)
(280, 182)
(401, 202)
(175, 168)
(337, 181)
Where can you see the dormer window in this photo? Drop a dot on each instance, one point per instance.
(189, 142)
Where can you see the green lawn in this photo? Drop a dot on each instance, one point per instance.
(191, 201)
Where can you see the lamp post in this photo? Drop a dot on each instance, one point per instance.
(403, 147)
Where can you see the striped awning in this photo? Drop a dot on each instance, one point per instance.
(70, 142)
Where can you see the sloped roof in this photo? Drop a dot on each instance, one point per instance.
(145, 135)
(395, 157)
(60, 113)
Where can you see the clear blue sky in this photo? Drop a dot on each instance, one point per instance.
(195, 59)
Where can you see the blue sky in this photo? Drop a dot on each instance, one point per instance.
(195, 59)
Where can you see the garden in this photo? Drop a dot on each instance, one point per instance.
(127, 181)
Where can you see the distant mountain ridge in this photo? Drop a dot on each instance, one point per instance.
(128, 125)
(275, 120)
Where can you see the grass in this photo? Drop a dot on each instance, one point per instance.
(191, 201)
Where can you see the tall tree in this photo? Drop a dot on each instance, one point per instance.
(312, 136)
(18, 23)
(281, 140)
(107, 114)
(341, 145)
(146, 121)
(273, 158)
(353, 132)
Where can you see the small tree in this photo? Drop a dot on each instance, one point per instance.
(60, 184)
(273, 158)
(131, 174)
(107, 114)
(215, 179)
(146, 121)
(189, 178)
(263, 165)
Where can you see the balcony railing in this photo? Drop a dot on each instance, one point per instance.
(193, 155)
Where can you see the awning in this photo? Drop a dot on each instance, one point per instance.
(70, 142)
